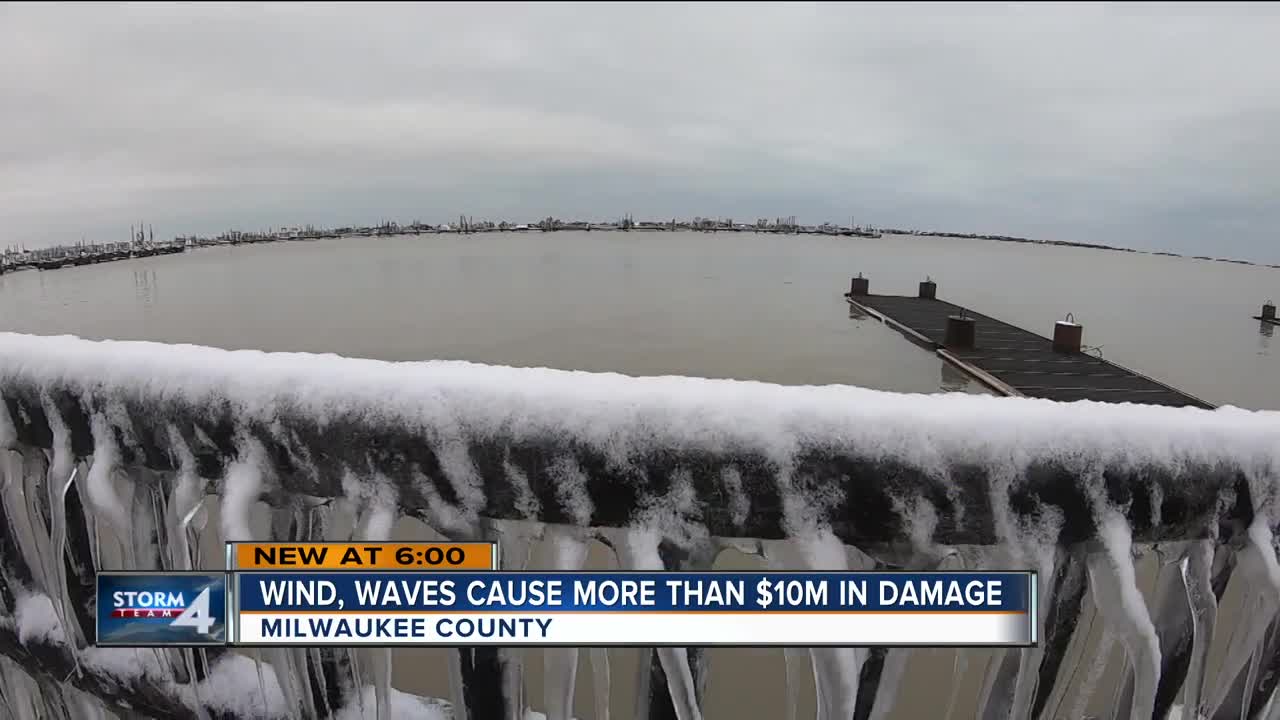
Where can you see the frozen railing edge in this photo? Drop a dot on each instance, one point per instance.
(682, 461)
(451, 434)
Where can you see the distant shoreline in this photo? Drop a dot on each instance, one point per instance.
(1068, 243)
(141, 246)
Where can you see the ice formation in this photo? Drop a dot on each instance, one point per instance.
(122, 443)
(561, 664)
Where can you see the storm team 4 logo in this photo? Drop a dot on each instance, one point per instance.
(157, 609)
(151, 605)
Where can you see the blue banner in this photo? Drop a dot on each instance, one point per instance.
(158, 609)
(1007, 592)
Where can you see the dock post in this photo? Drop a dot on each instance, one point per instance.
(860, 285)
(1269, 311)
(961, 332)
(1067, 335)
(929, 289)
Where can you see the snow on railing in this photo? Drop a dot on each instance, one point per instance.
(114, 448)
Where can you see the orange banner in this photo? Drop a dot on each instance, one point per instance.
(362, 556)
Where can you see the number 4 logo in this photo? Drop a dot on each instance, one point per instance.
(197, 615)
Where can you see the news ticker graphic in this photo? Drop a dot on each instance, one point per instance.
(365, 556)
(147, 609)
(448, 594)
(634, 608)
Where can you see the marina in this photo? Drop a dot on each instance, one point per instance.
(143, 243)
(1010, 360)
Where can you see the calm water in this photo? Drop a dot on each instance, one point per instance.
(725, 305)
(732, 305)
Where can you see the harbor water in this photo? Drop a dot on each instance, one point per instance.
(737, 305)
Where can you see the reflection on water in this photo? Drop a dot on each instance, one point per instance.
(1265, 332)
(145, 286)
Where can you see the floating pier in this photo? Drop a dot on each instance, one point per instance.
(1011, 360)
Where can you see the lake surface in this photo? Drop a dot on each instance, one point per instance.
(740, 305)
(745, 306)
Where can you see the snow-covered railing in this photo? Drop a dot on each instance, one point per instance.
(115, 447)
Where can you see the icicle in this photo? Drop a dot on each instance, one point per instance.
(36, 506)
(892, 673)
(795, 660)
(1196, 567)
(1083, 693)
(291, 676)
(561, 664)
(1029, 661)
(516, 540)
(1249, 684)
(93, 560)
(600, 681)
(146, 521)
(8, 432)
(457, 688)
(835, 670)
(57, 560)
(343, 664)
(83, 706)
(8, 457)
(290, 663)
(637, 549)
(244, 482)
(380, 516)
(103, 497)
(242, 485)
(317, 696)
(921, 519)
(1194, 570)
(1258, 569)
(260, 667)
(1271, 711)
(958, 669)
(62, 460)
(61, 474)
(1011, 681)
(22, 691)
(187, 497)
(1113, 579)
(19, 504)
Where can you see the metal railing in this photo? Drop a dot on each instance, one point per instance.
(686, 466)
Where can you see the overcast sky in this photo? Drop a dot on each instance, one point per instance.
(1147, 126)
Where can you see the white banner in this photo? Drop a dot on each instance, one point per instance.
(582, 629)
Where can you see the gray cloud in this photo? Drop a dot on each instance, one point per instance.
(1142, 125)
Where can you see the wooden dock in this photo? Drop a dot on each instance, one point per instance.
(1014, 361)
